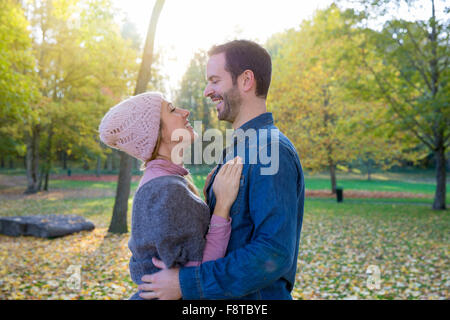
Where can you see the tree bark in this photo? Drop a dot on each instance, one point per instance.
(99, 166)
(109, 162)
(332, 167)
(439, 197)
(64, 160)
(114, 160)
(119, 218)
(48, 164)
(41, 177)
(147, 59)
(32, 160)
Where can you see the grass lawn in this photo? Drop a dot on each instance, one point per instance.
(408, 243)
(403, 238)
(372, 185)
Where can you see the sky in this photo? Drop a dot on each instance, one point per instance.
(186, 26)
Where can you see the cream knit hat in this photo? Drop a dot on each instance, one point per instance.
(132, 126)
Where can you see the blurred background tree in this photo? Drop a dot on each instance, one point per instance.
(119, 216)
(316, 94)
(18, 79)
(355, 87)
(409, 63)
(65, 64)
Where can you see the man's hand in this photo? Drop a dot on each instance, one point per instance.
(162, 285)
(208, 177)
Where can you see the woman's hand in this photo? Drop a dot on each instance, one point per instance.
(226, 184)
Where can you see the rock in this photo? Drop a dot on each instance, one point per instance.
(44, 226)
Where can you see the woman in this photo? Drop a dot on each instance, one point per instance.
(169, 219)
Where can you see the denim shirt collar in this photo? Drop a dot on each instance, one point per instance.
(258, 122)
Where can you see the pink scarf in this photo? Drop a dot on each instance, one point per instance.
(161, 167)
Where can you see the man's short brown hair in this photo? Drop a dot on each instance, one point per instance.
(241, 55)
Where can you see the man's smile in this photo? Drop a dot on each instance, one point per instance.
(217, 100)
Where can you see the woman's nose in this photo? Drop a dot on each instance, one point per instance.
(186, 113)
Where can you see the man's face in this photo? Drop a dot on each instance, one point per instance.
(220, 89)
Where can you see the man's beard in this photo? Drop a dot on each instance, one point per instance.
(231, 105)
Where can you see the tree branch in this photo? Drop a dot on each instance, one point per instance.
(397, 106)
(418, 68)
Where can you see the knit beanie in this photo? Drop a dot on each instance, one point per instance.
(132, 126)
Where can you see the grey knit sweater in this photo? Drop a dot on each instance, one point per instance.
(168, 222)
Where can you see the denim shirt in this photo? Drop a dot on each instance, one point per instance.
(267, 215)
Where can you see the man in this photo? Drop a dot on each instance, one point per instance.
(261, 258)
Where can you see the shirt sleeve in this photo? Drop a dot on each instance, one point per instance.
(273, 205)
(216, 240)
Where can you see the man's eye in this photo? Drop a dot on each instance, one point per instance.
(173, 109)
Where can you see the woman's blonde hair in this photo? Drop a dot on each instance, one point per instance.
(188, 177)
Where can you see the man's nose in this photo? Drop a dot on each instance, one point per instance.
(208, 91)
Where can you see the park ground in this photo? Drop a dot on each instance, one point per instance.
(384, 225)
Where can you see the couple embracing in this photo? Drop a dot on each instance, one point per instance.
(243, 242)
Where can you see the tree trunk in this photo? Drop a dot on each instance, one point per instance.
(48, 164)
(368, 170)
(113, 160)
(119, 218)
(46, 181)
(2, 162)
(439, 197)
(99, 166)
(109, 162)
(32, 159)
(332, 167)
(439, 153)
(41, 177)
(64, 160)
(85, 165)
(147, 58)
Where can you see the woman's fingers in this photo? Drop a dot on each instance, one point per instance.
(238, 168)
(235, 167)
(234, 161)
(231, 168)
(226, 184)
(223, 171)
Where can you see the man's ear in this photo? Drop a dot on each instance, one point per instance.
(247, 80)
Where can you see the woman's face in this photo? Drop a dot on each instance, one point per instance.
(175, 124)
